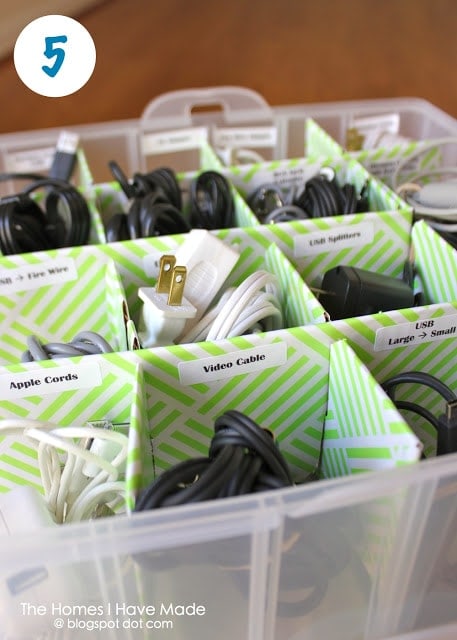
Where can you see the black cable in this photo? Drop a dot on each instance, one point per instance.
(242, 458)
(64, 220)
(211, 202)
(321, 197)
(445, 424)
(418, 377)
(155, 209)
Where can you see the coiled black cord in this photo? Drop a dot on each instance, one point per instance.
(156, 207)
(25, 226)
(85, 343)
(242, 459)
(446, 424)
(211, 202)
(321, 196)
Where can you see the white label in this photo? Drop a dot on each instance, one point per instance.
(414, 333)
(30, 160)
(235, 137)
(284, 176)
(342, 237)
(232, 364)
(44, 381)
(386, 122)
(171, 141)
(33, 276)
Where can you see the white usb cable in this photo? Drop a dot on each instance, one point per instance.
(91, 473)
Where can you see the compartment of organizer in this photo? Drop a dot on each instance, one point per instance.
(39, 214)
(390, 146)
(417, 339)
(55, 296)
(211, 205)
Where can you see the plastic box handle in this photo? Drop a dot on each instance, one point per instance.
(236, 105)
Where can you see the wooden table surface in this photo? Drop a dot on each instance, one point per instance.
(291, 51)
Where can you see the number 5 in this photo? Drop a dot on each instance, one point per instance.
(51, 51)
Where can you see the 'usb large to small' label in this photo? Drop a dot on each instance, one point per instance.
(40, 382)
(33, 276)
(232, 364)
(341, 237)
(414, 333)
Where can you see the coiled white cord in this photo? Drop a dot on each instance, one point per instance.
(86, 479)
(240, 310)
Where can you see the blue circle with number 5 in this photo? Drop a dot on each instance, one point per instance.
(54, 56)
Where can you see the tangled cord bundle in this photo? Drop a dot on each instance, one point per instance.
(321, 196)
(242, 458)
(157, 208)
(85, 480)
(85, 343)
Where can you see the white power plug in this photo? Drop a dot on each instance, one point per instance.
(165, 310)
(209, 262)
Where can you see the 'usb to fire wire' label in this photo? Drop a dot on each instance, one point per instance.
(414, 333)
(33, 276)
(40, 382)
(233, 364)
(341, 237)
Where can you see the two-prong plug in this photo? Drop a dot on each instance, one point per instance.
(165, 310)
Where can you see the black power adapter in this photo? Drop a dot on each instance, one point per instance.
(349, 292)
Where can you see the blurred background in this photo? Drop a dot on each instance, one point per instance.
(290, 51)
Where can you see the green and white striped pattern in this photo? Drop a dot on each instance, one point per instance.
(436, 263)
(436, 358)
(363, 430)
(383, 162)
(56, 312)
(386, 253)
(140, 469)
(289, 399)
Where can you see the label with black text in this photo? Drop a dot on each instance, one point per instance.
(33, 276)
(232, 364)
(414, 333)
(171, 141)
(40, 382)
(29, 160)
(294, 176)
(235, 137)
(341, 237)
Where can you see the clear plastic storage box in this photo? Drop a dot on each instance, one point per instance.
(366, 557)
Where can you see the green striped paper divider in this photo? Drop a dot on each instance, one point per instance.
(289, 395)
(436, 263)
(436, 357)
(86, 295)
(381, 243)
(364, 431)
